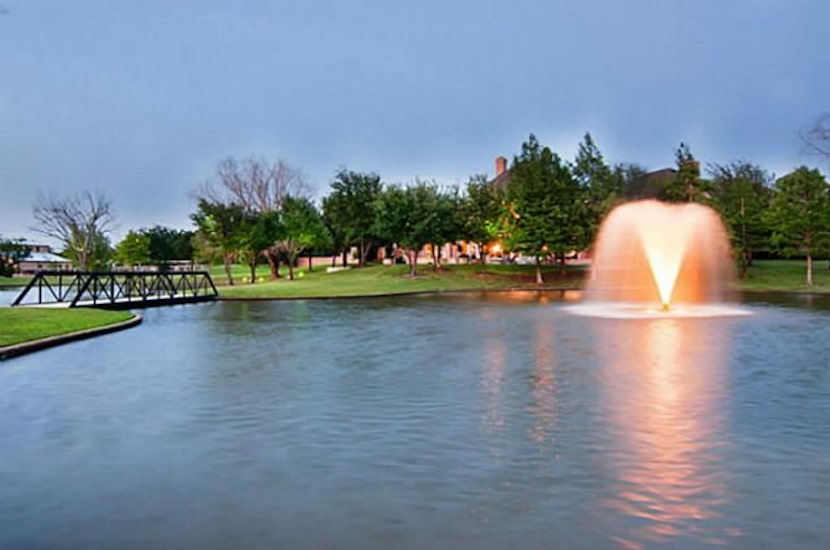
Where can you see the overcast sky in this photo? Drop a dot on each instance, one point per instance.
(141, 99)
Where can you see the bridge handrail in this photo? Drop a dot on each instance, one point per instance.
(108, 287)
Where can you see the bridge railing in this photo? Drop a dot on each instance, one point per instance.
(116, 288)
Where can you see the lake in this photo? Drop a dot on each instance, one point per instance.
(455, 421)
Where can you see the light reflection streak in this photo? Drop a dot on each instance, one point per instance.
(544, 387)
(493, 382)
(664, 388)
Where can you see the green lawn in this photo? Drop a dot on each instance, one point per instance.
(766, 275)
(381, 279)
(24, 324)
(786, 275)
(10, 282)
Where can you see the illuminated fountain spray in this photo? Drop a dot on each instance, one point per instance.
(656, 256)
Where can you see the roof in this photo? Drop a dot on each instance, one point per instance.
(45, 258)
(500, 182)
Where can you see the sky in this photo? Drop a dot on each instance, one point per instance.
(142, 99)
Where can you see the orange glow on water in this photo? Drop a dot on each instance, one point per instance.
(648, 251)
(665, 397)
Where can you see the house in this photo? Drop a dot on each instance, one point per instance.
(41, 257)
(463, 251)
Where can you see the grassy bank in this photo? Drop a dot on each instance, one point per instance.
(26, 324)
(786, 276)
(378, 280)
(12, 282)
(767, 276)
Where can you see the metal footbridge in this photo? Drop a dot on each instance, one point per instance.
(116, 289)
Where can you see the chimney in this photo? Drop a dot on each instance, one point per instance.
(501, 166)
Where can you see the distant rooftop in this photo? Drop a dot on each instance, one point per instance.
(45, 258)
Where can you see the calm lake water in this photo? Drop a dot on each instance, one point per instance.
(465, 421)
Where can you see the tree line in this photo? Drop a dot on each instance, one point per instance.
(549, 209)
(257, 211)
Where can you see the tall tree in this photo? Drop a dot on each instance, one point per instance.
(602, 186)
(743, 191)
(80, 222)
(222, 227)
(134, 249)
(481, 209)
(547, 206)
(302, 227)
(816, 138)
(11, 252)
(256, 185)
(799, 215)
(167, 244)
(349, 209)
(448, 226)
(687, 185)
(259, 231)
(406, 216)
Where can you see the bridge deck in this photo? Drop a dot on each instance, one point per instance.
(117, 289)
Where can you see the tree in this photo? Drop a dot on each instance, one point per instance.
(799, 214)
(80, 222)
(743, 192)
(332, 218)
(11, 252)
(687, 186)
(222, 227)
(134, 249)
(602, 186)
(302, 227)
(349, 209)
(448, 223)
(259, 231)
(256, 185)
(405, 216)
(547, 206)
(816, 138)
(481, 209)
(167, 244)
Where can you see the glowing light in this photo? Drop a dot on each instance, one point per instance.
(649, 251)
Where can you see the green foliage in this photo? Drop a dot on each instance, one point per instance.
(166, 244)
(687, 185)
(407, 216)
(481, 210)
(222, 228)
(602, 186)
(547, 204)
(134, 249)
(742, 193)
(97, 257)
(448, 222)
(799, 214)
(303, 228)
(348, 209)
(258, 232)
(11, 252)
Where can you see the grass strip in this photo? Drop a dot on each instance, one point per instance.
(18, 325)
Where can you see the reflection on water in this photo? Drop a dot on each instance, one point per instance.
(544, 384)
(665, 393)
(493, 381)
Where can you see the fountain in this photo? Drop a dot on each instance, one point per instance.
(653, 257)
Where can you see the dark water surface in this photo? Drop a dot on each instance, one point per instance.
(443, 422)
